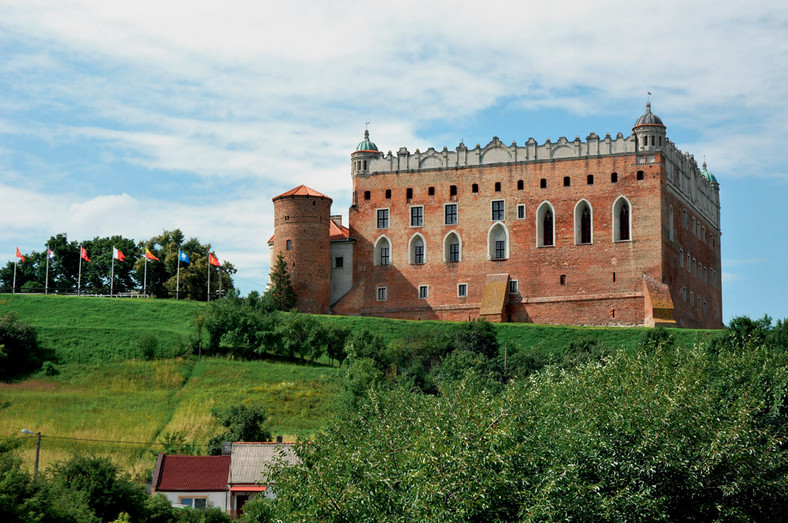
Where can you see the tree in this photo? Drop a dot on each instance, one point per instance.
(282, 292)
(19, 349)
(243, 423)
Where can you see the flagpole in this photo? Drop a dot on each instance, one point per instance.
(112, 274)
(145, 277)
(46, 278)
(13, 290)
(79, 278)
(178, 277)
(209, 276)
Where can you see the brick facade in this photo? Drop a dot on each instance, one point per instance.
(591, 278)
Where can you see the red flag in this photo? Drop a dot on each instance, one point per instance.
(150, 255)
(83, 254)
(19, 255)
(213, 260)
(118, 255)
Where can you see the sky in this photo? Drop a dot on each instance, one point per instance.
(136, 117)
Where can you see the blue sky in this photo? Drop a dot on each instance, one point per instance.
(135, 117)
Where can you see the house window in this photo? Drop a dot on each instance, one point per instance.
(640, 176)
(590, 179)
(431, 191)
(451, 248)
(289, 245)
(497, 186)
(339, 262)
(543, 183)
(621, 220)
(613, 177)
(545, 226)
(462, 290)
(684, 219)
(452, 190)
(417, 216)
(417, 249)
(513, 287)
(383, 251)
(520, 185)
(567, 181)
(498, 239)
(450, 214)
(521, 211)
(681, 258)
(367, 195)
(498, 210)
(500, 249)
(614, 277)
(382, 293)
(383, 218)
(689, 263)
(475, 188)
(424, 292)
(563, 279)
(388, 194)
(583, 223)
(193, 501)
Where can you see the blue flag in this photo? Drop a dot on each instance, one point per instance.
(183, 257)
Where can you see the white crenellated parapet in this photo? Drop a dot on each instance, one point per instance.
(496, 152)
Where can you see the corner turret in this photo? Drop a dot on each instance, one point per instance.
(365, 152)
(649, 132)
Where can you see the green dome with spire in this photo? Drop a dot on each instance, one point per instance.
(366, 144)
(706, 174)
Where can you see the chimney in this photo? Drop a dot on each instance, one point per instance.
(279, 439)
(227, 448)
(337, 218)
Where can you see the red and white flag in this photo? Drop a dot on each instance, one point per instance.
(213, 260)
(83, 253)
(118, 255)
(19, 255)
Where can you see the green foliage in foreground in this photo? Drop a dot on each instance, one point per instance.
(19, 349)
(665, 434)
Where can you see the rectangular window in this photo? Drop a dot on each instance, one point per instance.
(640, 175)
(383, 218)
(382, 293)
(475, 188)
(289, 245)
(521, 211)
(339, 262)
(543, 183)
(384, 256)
(462, 290)
(454, 252)
(450, 214)
(500, 249)
(513, 288)
(194, 502)
(388, 194)
(498, 210)
(681, 258)
(367, 195)
(418, 254)
(689, 263)
(424, 292)
(452, 190)
(409, 193)
(417, 216)
(431, 191)
(613, 177)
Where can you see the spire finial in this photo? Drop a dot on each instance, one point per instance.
(366, 130)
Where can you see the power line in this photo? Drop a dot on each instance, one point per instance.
(119, 442)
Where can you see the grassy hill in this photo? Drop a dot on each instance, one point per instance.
(106, 396)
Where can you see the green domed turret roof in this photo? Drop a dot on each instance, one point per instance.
(366, 144)
(706, 174)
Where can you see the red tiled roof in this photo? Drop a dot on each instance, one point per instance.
(191, 473)
(302, 190)
(337, 232)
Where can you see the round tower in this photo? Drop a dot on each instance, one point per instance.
(301, 235)
(649, 131)
(361, 158)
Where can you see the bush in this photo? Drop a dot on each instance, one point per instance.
(19, 350)
(148, 347)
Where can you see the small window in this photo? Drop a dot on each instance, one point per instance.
(388, 194)
(498, 210)
(475, 188)
(613, 177)
(417, 216)
(497, 186)
(424, 292)
(513, 287)
(689, 262)
(382, 293)
(431, 191)
(520, 185)
(681, 258)
(462, 290)
(692, 298)
(452, 190)
(289, 245)
(367, 195)
(409, 193)
(521, 211)
(590, 179)
(563, 279)
(194, 502)
(339, 262)
(614, 277)
(640, 176)
(383, 219)
(500, 249)
(543, 183)
(567, 181)
(450, 214)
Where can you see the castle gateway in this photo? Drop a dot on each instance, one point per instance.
(606, 231)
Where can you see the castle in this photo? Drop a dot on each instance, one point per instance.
(606, 231)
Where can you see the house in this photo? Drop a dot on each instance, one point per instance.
(193, 481)
(250, 469)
